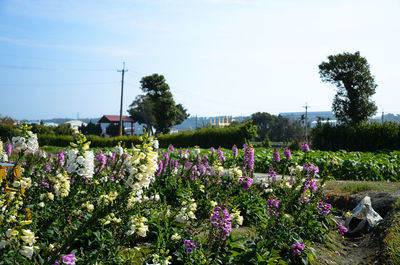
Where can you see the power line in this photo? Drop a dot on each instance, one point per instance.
(21, 67)
(58, 84)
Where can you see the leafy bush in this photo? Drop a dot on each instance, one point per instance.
(205, 137)
(362, 137)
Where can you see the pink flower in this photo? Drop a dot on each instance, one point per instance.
(69, 259)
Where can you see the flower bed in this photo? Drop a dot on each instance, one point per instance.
(140, 206)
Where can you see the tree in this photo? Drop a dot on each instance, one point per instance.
(355, 85)
(157, 107)
(275, 128)
(91, 128)
(113, 129)
(141, 111)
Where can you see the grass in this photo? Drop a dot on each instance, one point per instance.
(392, 239)
(352, 187)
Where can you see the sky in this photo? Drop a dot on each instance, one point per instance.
(220, 57)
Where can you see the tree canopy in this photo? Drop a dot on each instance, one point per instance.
(355, 85)
(156, 108)
(91, 128)
(276, 128)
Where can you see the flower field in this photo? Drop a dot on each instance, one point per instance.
(142, 205)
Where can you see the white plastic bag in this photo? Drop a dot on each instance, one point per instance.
(363, 218)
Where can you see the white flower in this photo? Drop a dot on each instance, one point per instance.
(118, 150)
(28, 237)
(11, 233)
(143, 230)
(4, 243)
(27, 251)
(197, 151)
(41, 204)
(80, 160)
(176, 236)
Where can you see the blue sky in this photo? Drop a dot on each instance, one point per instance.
(220, 57)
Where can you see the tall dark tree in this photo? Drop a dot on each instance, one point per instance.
(157, 105)
(141, 111)
(91, 129)
(113, 130)
(355, 86)
(276, 128)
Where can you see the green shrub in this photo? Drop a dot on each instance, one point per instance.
(8, 131)
(362, 137)
(205, 138)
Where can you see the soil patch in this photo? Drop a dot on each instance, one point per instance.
(365, 248)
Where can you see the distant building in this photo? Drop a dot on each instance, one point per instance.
(115, 119)
(221, 122)
(75, 124)
(313, 117)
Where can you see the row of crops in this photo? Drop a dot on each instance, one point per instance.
(340, 165)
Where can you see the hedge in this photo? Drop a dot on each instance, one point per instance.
(205, 138)
(363, 137)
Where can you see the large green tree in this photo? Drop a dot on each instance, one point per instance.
(276, 128)
(91, 129)
(355, 86)
(157, 108)
(141, 111)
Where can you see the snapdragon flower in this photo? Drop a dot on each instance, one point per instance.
(275, 156)
(297, 248)
(342, 229)
(287, 153)
(248, 157)
(305, 147)
(221, 220)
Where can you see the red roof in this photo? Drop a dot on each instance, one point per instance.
(114, 118)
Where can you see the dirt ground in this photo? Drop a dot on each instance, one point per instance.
(364, 248)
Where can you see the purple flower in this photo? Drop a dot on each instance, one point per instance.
(273, 205)
(8, 148)
(190, 245)
(160, 168)
(287, 154)
(171, 148)
(221, 156)
(310, 168)
(248, 157)
(324, 208)
(212, 149)
(297, 248)
(247, 183)
(342, 229)
(221, 220)
(310, 184)
(69, 259)
(61, 157)
(275, 156)
(305, 147)
(235, 151)
(272, 173)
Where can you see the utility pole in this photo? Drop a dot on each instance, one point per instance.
(306, 119)
(122, 97)
(383, 114)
